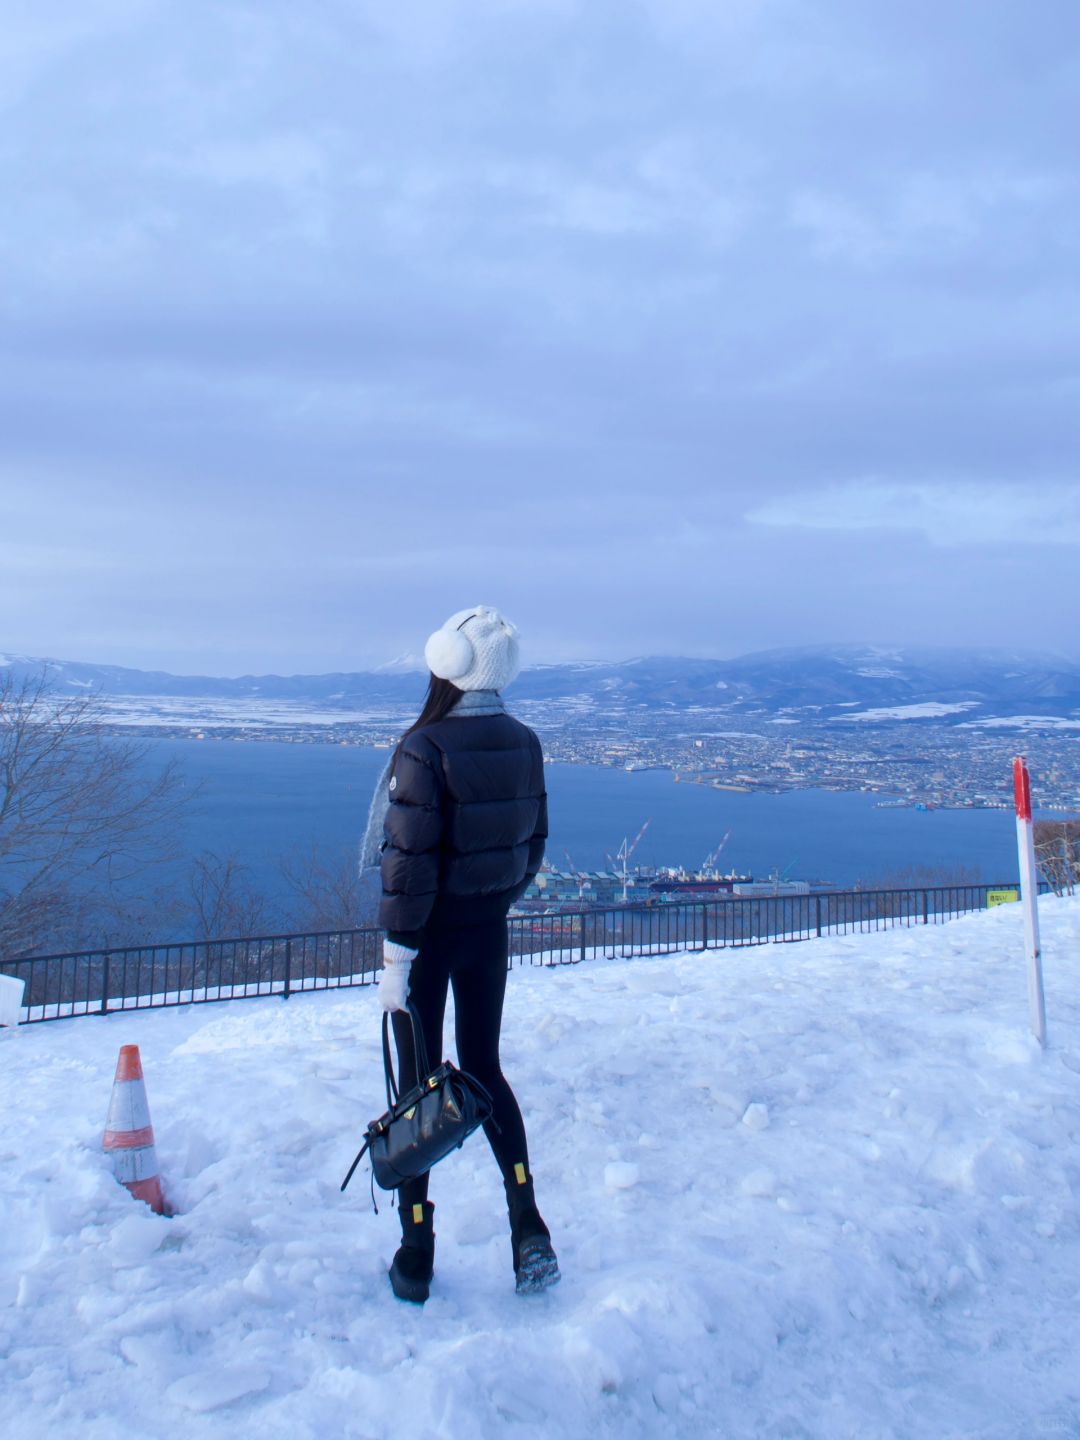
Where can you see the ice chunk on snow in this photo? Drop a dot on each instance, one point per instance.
(210, 1389)
(756, 1117)
(136, 1238)
(758, 1182)
(621, 1175)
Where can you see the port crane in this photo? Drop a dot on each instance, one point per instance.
(623, 854)
(583, 883)
(711, 859)
(778, 877)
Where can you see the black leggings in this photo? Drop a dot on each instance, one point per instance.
(472, 959)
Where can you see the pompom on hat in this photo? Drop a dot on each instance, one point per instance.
(476, 649)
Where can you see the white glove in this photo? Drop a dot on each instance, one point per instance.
(394, 985)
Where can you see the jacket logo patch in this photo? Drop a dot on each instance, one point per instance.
(393, 782)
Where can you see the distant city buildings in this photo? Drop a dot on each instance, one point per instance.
(911, 761)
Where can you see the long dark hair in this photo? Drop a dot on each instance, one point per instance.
(441, 697)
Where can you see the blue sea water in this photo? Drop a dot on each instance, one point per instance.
(265, 800)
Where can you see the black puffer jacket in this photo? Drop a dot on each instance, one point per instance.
(466, 825)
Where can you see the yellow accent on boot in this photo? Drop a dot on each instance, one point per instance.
(418, 1214)
(519, 1173)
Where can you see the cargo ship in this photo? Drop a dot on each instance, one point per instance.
(555, 891)
(680, 884)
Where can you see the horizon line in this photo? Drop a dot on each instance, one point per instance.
(392, 667)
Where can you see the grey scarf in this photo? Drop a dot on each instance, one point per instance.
(472, 703)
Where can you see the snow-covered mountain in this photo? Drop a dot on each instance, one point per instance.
(822, 678)
(407, 664)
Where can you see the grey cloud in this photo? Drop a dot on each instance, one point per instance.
(360, 301)
(947, 513)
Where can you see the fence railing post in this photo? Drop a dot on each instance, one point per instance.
(817, 915)
(288, 968)
(104, 985)
(704, 927)
(581, 948)
(925, 907)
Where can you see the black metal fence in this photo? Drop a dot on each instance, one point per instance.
(144, 977)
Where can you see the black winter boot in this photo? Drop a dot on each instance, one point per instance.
(414, 1263)
(535, 1265)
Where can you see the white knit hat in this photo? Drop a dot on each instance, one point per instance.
(477, 649)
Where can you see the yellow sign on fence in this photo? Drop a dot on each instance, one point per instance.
(1001, 897)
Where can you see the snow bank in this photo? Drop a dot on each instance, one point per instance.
(11, 998)
(825, 1190)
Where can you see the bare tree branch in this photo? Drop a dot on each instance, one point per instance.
(224, 902)
(1057, 854)
(81, 813)
(327, 889)
(922, 877)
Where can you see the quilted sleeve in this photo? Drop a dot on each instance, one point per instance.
(413, 835)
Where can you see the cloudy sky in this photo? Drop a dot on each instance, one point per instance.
(684, 326)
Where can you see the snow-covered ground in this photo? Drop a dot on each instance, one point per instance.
(926, 710)
(1022, 722)
(214, 713)
(817, 1190)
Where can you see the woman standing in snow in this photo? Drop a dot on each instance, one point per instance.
(460, 819)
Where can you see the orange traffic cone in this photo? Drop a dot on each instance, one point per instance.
(129, 1136)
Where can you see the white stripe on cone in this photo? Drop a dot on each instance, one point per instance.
(128, 1108)
(131, 1166)
(129, 1136)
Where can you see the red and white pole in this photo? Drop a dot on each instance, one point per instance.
(1029, 895)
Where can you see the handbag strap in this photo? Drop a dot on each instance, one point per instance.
(419, 1051)
(352, 1168)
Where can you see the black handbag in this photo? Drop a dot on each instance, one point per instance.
(427, 1122)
